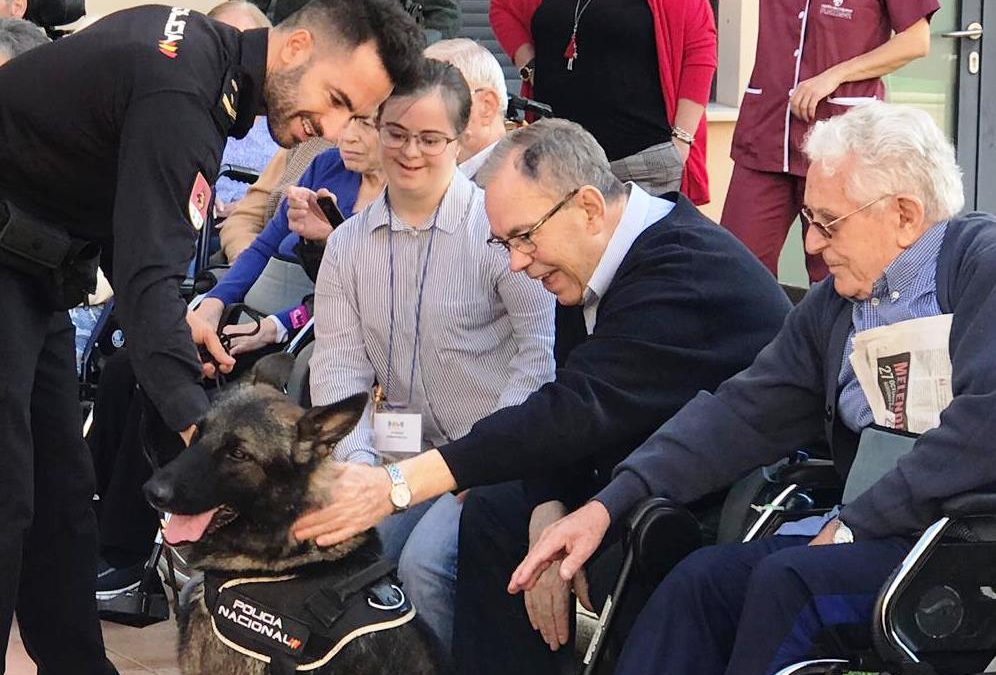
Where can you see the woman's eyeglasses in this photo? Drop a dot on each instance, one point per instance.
(430, 143)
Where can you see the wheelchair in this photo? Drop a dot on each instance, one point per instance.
(936, 615)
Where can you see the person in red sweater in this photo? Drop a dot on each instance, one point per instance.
(609, 65)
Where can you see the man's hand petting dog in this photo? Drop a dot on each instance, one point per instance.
(361, 499)
(204, 334)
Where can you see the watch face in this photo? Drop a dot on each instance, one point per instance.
(401, 496)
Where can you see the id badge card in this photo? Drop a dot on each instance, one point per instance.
(397, 432)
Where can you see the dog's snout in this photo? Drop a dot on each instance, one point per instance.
(158, 492)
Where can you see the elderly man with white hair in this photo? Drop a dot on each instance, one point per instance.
(489, 99)
(18, 36)
(882, 196)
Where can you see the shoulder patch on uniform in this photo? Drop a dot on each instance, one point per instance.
(230, 98)
(200, 198)
(173, 32)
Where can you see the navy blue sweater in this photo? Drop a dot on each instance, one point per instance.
(789, 396)
(688, 308)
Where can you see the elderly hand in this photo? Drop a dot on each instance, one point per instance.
(810, 92)
(266, 335)
(572, 539)
(548, 603)
(304, 216)
(826, 534)
(203, 333)
(361, 498)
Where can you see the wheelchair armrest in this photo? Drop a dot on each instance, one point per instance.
(970, 504)
(812, 473)
(661, 533)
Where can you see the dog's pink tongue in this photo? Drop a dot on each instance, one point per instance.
(187, 528)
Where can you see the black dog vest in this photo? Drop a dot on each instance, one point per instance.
(299, 622)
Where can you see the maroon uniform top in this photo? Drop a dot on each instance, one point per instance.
(797, 40)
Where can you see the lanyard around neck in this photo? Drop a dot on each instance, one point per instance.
(418, 303)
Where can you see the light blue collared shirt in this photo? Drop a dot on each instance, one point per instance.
(907, 290)
(641, 212)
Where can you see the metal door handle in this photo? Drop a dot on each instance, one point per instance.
(972, 32)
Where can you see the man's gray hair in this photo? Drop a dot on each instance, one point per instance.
(475, 62)
(558, 155)
(18, 36)
(898, 149)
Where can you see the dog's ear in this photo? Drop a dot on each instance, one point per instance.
(321, 427)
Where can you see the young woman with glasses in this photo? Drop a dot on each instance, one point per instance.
(411, 297)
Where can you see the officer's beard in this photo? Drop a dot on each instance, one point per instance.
(281, 91)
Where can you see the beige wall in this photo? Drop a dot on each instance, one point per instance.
(719, 165)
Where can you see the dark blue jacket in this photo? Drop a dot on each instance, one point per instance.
(688, 308)
(789, 395)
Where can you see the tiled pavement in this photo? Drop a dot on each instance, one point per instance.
(135, 651)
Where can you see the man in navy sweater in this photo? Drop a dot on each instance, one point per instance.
(671, 305)
(881, 197)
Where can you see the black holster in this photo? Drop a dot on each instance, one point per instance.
(63, 267)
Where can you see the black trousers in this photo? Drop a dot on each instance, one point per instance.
(127, 524)
(491, 630)
(48, 542)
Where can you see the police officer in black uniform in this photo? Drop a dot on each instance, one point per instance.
(109, 141)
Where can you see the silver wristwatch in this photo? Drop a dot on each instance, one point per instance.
(843, 535)
(401, 494)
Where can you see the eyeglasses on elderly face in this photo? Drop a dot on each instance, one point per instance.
(825, 229)
(523, 243)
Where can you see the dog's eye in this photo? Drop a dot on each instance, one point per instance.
(237, 455)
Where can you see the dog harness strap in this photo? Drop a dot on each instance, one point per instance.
(331, 600)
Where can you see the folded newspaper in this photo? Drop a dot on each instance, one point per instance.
(905, 372)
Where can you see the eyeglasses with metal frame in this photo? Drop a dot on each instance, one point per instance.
(523, 243)
(430, 143)
(825, 229)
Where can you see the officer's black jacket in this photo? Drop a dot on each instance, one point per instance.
(104, 133)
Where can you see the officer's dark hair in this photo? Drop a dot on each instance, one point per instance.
(18, 36)
(350, 23)
(446, 78)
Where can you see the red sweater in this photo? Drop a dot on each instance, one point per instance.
(685, 32)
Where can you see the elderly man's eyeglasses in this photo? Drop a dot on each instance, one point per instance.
(523, 243)
(825, 228)
(430, 143)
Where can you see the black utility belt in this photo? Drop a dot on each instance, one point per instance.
(65, 265)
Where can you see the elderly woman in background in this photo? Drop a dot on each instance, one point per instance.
(637, 74)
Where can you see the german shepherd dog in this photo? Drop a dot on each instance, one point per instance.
(257, 463)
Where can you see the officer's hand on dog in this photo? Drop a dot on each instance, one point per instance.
(244, 343)
(204, 334)
(571, 540)
(304, 216)
(360, 498)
